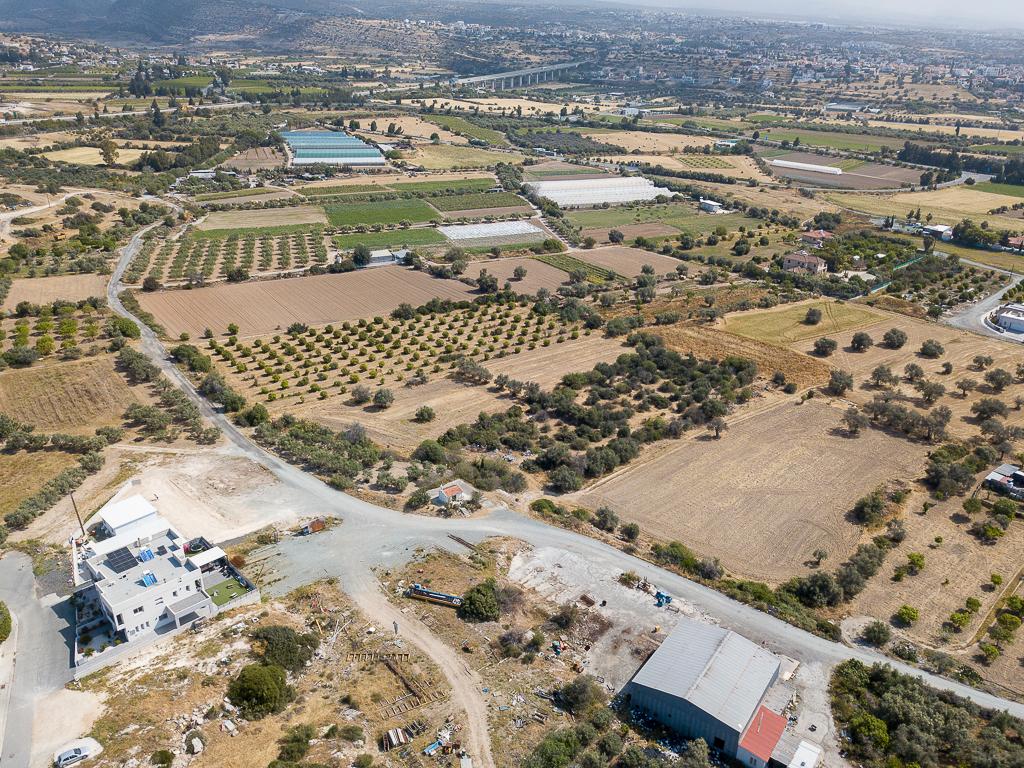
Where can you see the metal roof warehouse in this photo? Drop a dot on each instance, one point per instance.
(331, 147)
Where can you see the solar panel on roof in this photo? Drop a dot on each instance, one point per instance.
(121, 560)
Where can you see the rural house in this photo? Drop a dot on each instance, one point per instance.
(451, 493)
(802, 261)
(816, 237)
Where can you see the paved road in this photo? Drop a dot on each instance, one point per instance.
(42, 658)
(972, 318)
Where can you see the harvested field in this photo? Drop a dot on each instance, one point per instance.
(381, 212)
(254, 196)
(947, 206)
(538, 274)
(262, 307)
(457, 403)
(74, 396)
(652, 143)
(554, 169)
(260, 219)
(631, 232)
(388, 181)
(256, 159)
(411, 127)
(91, 156)
(785, 325)
(22, 473)
(41, 290)
(753, 498)
(447, 157)
(628, 262)
(35, 140)
(714, 344)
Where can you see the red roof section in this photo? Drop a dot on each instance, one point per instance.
(451, 490)
(763, 733)
(818, 234)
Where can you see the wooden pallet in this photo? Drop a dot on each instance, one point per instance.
(373, 656)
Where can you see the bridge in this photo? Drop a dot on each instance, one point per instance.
(520, 78)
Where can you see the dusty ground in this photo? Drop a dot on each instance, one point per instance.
(91, 156)
(631, 231)
(74, 396)
(275, 217)
(256, 159)
(263, 307)
(79, 711)
(39, 290)
(412, 128)
(652, 143)
(628, 262)
(947, 206)
(538, 274)
(756, 498)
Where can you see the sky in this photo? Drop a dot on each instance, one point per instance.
(976, 14)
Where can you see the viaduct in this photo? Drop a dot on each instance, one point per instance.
(520, 78)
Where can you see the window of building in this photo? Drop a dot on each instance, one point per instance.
(137, 610)
(718, 743)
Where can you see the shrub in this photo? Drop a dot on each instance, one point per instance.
(932, 349)
(284, 647)
(260, 690)
(861, 342)
(907, 615)
(894, 338)
(813, 316)
(877, 633)
(480, 602)
(630, 531)
(5, 622)
(424, 414)
(162, 756)
(824, 347)
(581, 695)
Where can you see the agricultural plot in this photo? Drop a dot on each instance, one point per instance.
(224, 223)
(570, 264)
(857, 142)
(631, 231)
(455, 402)
(402, 238)
(628, 262)
(47, 339)
(947, 206)
(234, 194)
(856, 174)
(200, 259)
(652, 143)
(440, 157)
(558, 170)
(74, 397)
(538, 274)
(268, 306)
(387, 351)
(381, 212)
(91, 156)
(478, 201)
(42, 290)
(494, 233)
(754, 498)
(785, 325)
(683, 217)
(464, 128)
(256, 159)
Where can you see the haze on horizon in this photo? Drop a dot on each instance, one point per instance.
(980, 14)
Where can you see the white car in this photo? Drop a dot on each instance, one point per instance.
(76, 752)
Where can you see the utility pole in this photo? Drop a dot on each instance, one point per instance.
(79, 516)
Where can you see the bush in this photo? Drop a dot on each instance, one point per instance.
(383, 398)
(907, 615)
(876, 633)
(5, 622)
(260, 690)
(824, 347)
(839, 382)
(425, 414)
(284, 647)
(861, 342)
(581, 695)
(894, 338)
(813, 316)
(932, 349)
(630, 531)
(480, 602)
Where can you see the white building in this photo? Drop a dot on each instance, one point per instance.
(942, 232)
(710, 206)
(140, 576)
(1010, 317)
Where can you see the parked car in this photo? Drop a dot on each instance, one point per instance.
(76, 752)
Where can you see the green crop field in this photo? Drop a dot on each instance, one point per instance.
(455, 185)
(682, 216)
(862, 142)
(382, 212)
(466, 128)
(1000, 149)
(477, 200)
(281, 229)
(1013, 190)
(350, 189)
(569, 264)
(394, 237)
(246, 192)
(196, 81)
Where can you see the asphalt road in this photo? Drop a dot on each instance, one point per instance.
(42, 656)
(972, 318)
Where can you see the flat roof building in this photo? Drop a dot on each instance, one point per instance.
(1010, 317)
(708, 682)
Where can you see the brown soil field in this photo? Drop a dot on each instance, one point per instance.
(74, 396)
(40, 290)
(265, 306)
(555, 169)
(957, 568)
(711, 343)
(628, 261)
(274, 217)
(652, 143)
(392, 179)
(538, 274)
(759, 498)
(788, 200)
(91, 156)
(631, 231)
(960, 346)
(22, 473)
(270, 194)
(256, 159)
(35, 140)
(456, 403)
(482, 213)
(412, 128)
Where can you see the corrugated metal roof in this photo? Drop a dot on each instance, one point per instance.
(716, 670)
(763, 733)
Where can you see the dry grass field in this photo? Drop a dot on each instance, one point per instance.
(774, 488)
(456, 403)
(256, 159)
(441, 157)
(711, 343)
(631, 231)
(947, 206)
(412, 128)
(22, 473)
(41, 290)
(538, 274)
(74, 396)
(785, 324)
(91, 156)
(627, 261)
(275, 217)
(389, 181)
(266, 306)
(36, 140)
(651, 143)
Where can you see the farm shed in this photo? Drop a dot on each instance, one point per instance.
(706, 682)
